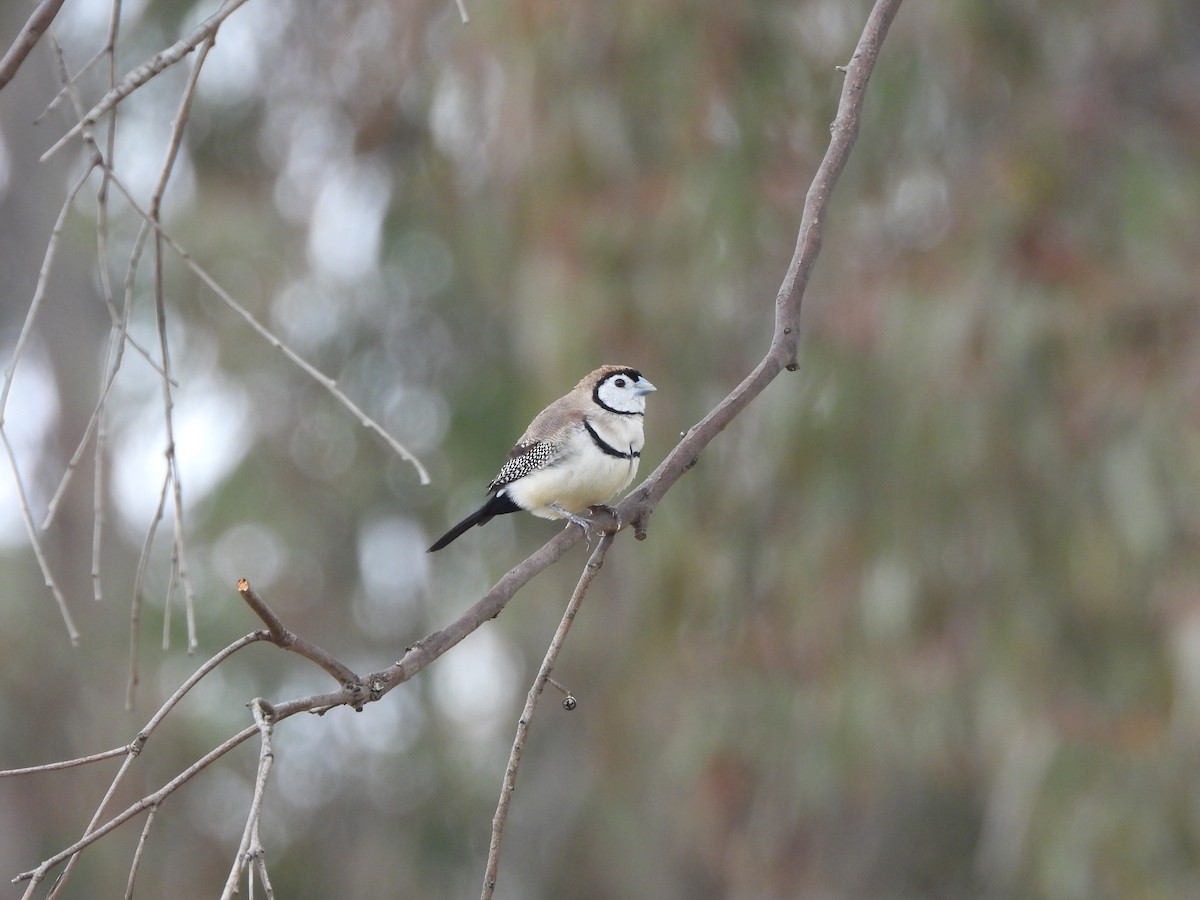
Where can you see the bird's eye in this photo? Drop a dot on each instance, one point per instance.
(620, 382)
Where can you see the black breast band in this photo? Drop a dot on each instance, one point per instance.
(605, 446)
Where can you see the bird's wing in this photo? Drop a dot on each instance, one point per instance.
(524, 459)
(542, 442)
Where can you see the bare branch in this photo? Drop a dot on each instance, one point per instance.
(137, 854)
(116, 346)
(38, 552)
(194, 679)
(98, 499)
(595, 561)
(132, 752)
(267, 335)
(93, 427)
(66, 763)
(37, 23)
(288, 640)
(636, 507)
(150, 801)
(35, 305)
(260, 866)
(251, 847)
(179, 554)
(159, 62)
(171, 582)
(135, 606)
(160, 308)
(434, 645)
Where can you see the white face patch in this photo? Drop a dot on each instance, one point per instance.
(622, 392)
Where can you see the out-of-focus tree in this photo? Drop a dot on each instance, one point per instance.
(924, 622)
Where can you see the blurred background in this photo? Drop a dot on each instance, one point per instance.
(924, 622)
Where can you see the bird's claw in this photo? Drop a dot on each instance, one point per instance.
(573, 519)
(586, 524)
(612, 512)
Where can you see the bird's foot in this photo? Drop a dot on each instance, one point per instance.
(574, 519)
(602, 507)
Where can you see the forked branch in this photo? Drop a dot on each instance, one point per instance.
(635, 509)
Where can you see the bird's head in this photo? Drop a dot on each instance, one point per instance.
(620, 389)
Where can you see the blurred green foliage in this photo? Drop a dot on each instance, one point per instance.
(924, 622)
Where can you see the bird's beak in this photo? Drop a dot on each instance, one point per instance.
(644, 387)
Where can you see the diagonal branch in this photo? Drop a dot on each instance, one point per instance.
(159, 62)
(288, 640)
(271, 338)
(590, 570)
(66, 763)
(35, 306)
(35, 26)
(149, 802)
(434, 645)
(635, 509)
(137, 853)
(132, 751)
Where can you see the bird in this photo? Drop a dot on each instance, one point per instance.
(580, 451)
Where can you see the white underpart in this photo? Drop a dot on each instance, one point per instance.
(583, 475)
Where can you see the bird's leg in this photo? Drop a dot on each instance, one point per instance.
(574, 519)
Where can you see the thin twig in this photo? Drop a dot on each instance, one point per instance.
(110, 155)
(535, 692)
(138, 76)
(35, 305)
(150, 801)
(160, 308)
(288, 640)
(207, 668)
(135, 607)
(98, 499)
(61, 883)
(118, 333)
(35, 26)
(171, 581)
(260, 867)
(134, 750)
(38, 551)
(96, 421)
(279, 344)
(93, 427)
(69, 91)
(137, 853)
(66, 763)
(250, 846)
(179, 554)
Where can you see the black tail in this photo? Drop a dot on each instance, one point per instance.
(497, 505)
